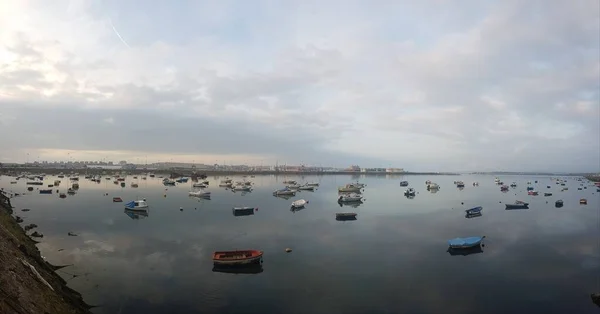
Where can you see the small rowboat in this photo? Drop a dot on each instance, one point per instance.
(345, 216)
(136, 205)
(583, 201)
(117, 199)
(465, 243)
(559, 203)
(474, 210)
(547, 194)
(532, 193)
(243, 211)
(243, 257)
(517, 205)
(299, 203)
(350, 198)
(199, 194)
(46, 191)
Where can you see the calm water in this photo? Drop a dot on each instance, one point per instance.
(392, 259)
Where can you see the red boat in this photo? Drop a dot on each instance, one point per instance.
(117, 199)
(243, 257)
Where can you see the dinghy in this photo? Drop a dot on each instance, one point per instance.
(199, 185)
(246, 188)
(243, 211)
(517, 205)
(583, 201)
(409, 192)
(312, 184)
(299, 203)
(559, 203)
(349, 198)
(474, 210)
(231, 258)
(136, 205)
(547, 194)
(464, 243)
(117, 199)
(345, 216)
(352, 188)
(404, 183)
(306, 188)
(199, 194)
(285, 191)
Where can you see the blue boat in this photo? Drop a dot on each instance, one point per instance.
(404, 183)
(530, 188)
(474, 210)
(464, 243)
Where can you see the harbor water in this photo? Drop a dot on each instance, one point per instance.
(392, 259)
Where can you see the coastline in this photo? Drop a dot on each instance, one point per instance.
(30, 285)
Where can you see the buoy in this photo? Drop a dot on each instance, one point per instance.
(462, 203)
(288, 250)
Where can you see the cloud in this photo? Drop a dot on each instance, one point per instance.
(308, 81)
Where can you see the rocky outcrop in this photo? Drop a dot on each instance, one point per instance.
(28, 284)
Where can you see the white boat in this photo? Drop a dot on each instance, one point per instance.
(350, 198)
(199, 193)
(349, 188)
(293, 187)
(433, 186)
(299, 203)
(246, 188)
(136, 205)
(199, 185)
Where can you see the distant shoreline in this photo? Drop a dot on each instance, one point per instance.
(212, 172)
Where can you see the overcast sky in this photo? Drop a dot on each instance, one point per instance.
(425, 85)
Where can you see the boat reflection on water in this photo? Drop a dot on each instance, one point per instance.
(249, 269)
(473, 215)
(285, 197)
(465, 252)
(136, 214)
(351, 204)
(296, 209)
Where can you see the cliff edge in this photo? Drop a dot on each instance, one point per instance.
(28, 284)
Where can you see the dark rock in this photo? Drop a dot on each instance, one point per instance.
(595, 298)
(72, 234)
(37, 235)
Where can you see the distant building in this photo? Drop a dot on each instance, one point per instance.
(353, 168)
(122, 162)
(394, 170)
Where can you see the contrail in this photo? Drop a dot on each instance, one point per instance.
(119, 35)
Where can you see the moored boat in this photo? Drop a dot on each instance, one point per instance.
(504, 188)
(409, 192)
(284, 191)
(345, 216)
(532, 193)
(199, 194)
(559, 203)
(48, 191)
(583, 201)
(306, 188)
(62, 195)
(299, 203)
(243, 211)
(403, 183)
(465, 243)
(547, 194)
(517, 205)
(474, 210)
(199, 185)
(117, 199)
(349, 188)
(349, 198)
(136, 205)
(242, 257)
(246, 188)
(312, 184)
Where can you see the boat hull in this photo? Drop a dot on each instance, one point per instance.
(465, 243)
(237, 258)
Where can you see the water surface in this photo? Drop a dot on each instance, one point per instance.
(392, 259)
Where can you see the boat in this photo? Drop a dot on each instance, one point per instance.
(168, 182)
(547, 194)
(504, 188)
(57, 182)
(134, 185)
(475, 183)
(182, 180)
(242, 257)
(349, 188)
(530, 188)
(299, 203)
(284, 191)
(460, 184)
(345, 216)
(403, 183)
(50, 185)
(71, 191)
(474, 210)
(35, 183)
(433, 186)
(306, 188)
(532, 193)
(465, 251)
(312, 184)
(13, 182)
(583, 201)
(348, 198)
(62, 195)
(243, 211)
(245, 188)
(513, 185)
(566, 189)
(409, 192)
(30, 188)
(549, 186)
(123, 184)
(559, 203)
(465, 243)
(225, 184)
(517, 205)
(473, 215)
(48, 191)
(289, 182)
(136, 205)
(199, 194)
(199, 185)
(117, 199)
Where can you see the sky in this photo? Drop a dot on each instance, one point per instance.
(431, 85)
